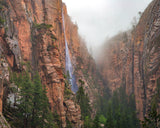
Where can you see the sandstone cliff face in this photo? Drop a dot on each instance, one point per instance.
(132, 59)
(33, 33)
(84, 65)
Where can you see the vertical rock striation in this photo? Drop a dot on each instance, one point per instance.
(138, 49)
(32, 33)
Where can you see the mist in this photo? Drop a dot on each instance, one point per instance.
(101, 19)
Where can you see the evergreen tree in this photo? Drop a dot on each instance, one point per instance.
(96, 122)
(41, 115)
(110, 121)
(152, 120)
(102, 119)
(33, 105)
(57, 121)
(121, 111)
(37, 101)
(26, 104)
(47, 116)
(87, 122)
(83, 101)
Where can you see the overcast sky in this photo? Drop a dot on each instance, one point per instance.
(99, 19)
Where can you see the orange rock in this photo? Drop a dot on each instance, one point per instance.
(115, 61)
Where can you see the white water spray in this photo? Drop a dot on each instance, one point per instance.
(69, 67)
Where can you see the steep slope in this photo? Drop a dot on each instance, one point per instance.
(131, 59)
(32, 33)
(83, 63)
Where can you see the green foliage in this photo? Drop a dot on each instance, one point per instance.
(67, 90)
(67, 93)
(3, 4)
(69, 125)
(68, 77)
(96, 122)
(26, 103)
(1, 21)
(87, 122)
(83, 101)
(152, 120)
(57, 121)
(102, 119)
(121, 111)
(33, 108)
(102, 102)
(42, 26)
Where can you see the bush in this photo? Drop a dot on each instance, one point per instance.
(1, 21)
(42, 26)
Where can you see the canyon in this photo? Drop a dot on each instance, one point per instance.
(131, 60)
(41, 34)
(33, 33)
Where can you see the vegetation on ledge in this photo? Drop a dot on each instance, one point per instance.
(42, 26)
(31, 108)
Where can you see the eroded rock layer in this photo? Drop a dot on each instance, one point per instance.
(131, 59)
(32, 32)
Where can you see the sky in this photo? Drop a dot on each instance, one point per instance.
(100, 19)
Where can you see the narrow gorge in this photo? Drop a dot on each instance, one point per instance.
(49, 79)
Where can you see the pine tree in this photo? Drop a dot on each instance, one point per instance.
(26, 104)
(41, 116)
(37, 101)
(47, 116)
(83, 101)
(110, 120)
(87, 122)
(96, 122)
(33, 105)
(121, 111)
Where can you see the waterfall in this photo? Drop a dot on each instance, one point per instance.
(69, 67)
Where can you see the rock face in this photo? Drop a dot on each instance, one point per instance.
(3, 122)
(32, 32)
(73, 113)
(131, 59)
(83, 63)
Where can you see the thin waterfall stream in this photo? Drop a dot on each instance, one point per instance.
(69, 67)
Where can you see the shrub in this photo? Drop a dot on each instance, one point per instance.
(2, 21)
(42, 26)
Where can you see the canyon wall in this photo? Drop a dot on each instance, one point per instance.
(131, 59)
(84, 65)
(31, 33)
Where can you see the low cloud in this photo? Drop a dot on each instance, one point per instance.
(99, 19)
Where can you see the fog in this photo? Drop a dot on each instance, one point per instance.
(100, 19)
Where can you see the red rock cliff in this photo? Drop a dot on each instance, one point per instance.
(33, 32)
(83, 63)
(131, 59)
